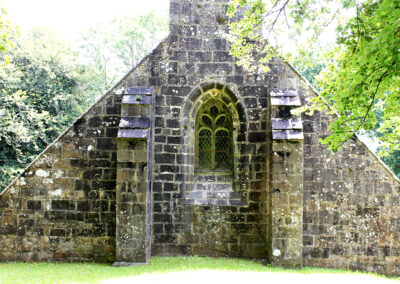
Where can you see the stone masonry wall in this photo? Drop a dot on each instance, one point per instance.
(63, 206)
(196, 57)
(351, 206)
(287, 204)
(131, 201)
(351, 202)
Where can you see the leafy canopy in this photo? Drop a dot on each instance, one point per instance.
(363, 68)
(6, 31)
(112, 49)
(269, 26)
(367, 71)
(47, 84)
(39, 97)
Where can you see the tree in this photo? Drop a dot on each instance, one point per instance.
(311, 62)
(364, 68)
(392, 160)
(112, 49)
(368, 72)
(136, 37)
(266, 26)
(101, 62)
(6, 31)
(45, 87)
(39, 97)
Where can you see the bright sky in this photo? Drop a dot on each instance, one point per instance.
(70, 17)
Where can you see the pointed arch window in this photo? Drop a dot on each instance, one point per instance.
(214, 131)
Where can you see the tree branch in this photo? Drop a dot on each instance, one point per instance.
(277, 17)
(369, 107)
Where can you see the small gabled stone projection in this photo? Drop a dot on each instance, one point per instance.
(285, 126)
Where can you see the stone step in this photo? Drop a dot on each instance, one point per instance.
(133, 133)
(286, 124)
(285, 101)
(287, 135)
(138, 91)
(284, 93)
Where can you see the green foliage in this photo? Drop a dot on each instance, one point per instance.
(392, 160)
(136, 37)
(44, 88)
(363, 68)
(6, 31)
(112, 49)
(266, 26)
(367, 71)
(249, 47)
(100, 63)
(310, 63)
(39, 97)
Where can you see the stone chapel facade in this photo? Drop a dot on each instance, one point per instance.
(190, 155)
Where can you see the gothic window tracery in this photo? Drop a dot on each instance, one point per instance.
(214, 131)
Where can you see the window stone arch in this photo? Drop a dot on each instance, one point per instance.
(204, 111)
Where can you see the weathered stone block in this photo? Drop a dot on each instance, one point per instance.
(34, 204)
(62, 205)
(214, 44)
(219, 68)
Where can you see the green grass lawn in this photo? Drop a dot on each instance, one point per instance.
(95, 272)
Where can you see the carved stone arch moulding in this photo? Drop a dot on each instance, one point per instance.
(213, 120)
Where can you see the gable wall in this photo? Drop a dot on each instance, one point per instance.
(351, 202)
(63, 206)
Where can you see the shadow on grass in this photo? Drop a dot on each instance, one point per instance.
(95, 272)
